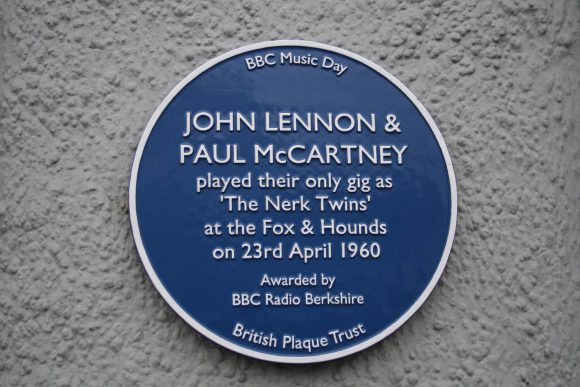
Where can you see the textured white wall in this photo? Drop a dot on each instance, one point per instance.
(79, 81)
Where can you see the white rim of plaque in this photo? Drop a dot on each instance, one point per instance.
(229, 344)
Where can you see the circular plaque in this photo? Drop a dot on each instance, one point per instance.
(293, 201)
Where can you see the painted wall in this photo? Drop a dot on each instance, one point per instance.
(78, 82)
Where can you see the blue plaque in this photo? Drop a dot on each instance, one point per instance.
(293, 201)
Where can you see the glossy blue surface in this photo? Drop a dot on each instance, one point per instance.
(170, 214)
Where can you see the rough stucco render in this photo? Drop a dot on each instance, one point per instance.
(79, 81)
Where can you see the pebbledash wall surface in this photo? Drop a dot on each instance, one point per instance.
(79, 81)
